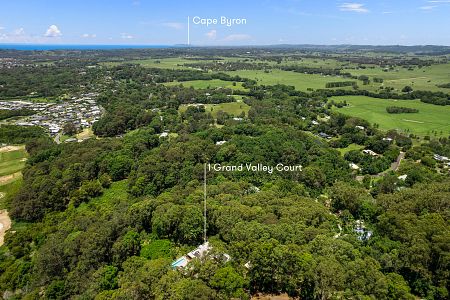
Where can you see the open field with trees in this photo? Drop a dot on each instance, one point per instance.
(209, 84)
(300, 81)
(424, 78)
(233, 108)
(431, 120)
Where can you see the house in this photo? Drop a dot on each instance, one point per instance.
(71, 140)
(403, 177)
(440, 157)
(200, 252)
(354, 166)
(220, 143)
(370, 152)
(361, 231)
(360, 127)
(324, 135)
(314, 122)
(388, 139)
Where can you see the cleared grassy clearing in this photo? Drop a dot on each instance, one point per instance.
(12, 161)
(234, 108)
(429, 118)
(12, 166)
(350, 147)
(167, 63)
(299, 80)
(105, 203)
(204, 84)
(425, 78)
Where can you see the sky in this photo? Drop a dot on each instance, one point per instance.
(267, 22)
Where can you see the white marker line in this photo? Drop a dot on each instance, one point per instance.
(204, 204)
(188, 31)
(414, 121)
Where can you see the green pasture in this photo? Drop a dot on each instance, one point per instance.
(430, 118)
(12, 162)
(425, 78)
(204, 84)
(167, 63)
(349, 148)
(300, 81)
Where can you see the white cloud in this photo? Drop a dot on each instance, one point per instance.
(387, 12)
(354, 7)
(126, 36)
(89, 36)
(19, 32)
(428, 7)
(211, 34)
(53, 31)
(1, 28)
(16, 36)
(432, 4)
(237, 37)
(174, 25)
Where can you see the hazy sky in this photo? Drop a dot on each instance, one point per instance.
(164, 22)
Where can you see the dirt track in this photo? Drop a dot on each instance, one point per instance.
(5, 224)
(11, 148)
(5, 179)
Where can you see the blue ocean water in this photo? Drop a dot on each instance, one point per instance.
(80, 47)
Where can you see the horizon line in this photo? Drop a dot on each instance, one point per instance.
(240, 45)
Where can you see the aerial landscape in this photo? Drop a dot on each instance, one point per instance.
(283, 150)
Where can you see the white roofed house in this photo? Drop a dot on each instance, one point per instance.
(200, 252)
(370, 152)
(440, 157)
(354, 166)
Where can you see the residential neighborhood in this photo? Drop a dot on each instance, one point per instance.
(52, 116)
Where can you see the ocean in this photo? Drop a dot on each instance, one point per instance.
(41, 47)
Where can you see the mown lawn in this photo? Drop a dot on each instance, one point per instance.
(349, 148)
(12, 161)
(429, 118)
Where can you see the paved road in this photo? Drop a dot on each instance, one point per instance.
(396, 164)
(58, 138)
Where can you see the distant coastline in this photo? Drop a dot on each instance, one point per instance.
(42, 47)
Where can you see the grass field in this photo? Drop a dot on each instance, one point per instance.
(429, 118)
(165, 63)
(425, 78)
(12, 161)
(234, 108)
(299, 80)
(350, 147)
(203, 84)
